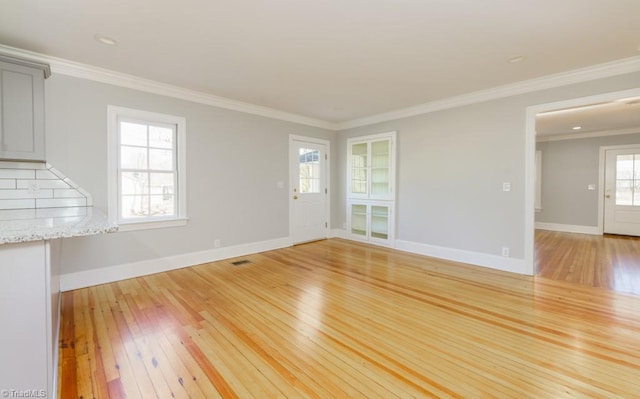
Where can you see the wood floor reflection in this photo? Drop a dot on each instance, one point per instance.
(338, 319)
(611, 262)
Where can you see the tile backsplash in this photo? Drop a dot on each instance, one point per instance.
(27, 185)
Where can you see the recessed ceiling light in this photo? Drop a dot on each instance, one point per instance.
(105, 39)
(516, 59)
(576, 127)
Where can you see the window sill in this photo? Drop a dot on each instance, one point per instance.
(146, 225)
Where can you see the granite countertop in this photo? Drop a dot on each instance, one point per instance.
(49, 223)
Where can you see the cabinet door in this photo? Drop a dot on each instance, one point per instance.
(23, 311)
(371, 221)
(359, 170)
(21, 112)
(371, 167)
(358, 221)
(380, 182)
(380, 216)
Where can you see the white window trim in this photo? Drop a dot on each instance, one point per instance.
(113, 112)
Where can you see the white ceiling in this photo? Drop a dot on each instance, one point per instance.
(334, 60)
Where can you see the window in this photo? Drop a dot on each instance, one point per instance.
(359, 168)
(628, 179)
(309, 171)
(146, 169)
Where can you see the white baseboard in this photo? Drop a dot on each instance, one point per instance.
(458, 255)
(88, 278)
(568, 228)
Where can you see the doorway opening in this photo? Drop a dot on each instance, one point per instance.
(584, 195)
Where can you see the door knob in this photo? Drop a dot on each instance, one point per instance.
(608, 196)
(295, 197)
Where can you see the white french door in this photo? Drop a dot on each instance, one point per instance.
(622, 191)
(308, 196)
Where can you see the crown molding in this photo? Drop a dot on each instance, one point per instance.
(599, 71)
(90, 72)
(587, 135)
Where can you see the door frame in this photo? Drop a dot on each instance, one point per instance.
(530, 163)
(327, 145)
(601, 177)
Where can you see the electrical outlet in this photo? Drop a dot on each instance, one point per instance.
(505, 251)
(216, 243)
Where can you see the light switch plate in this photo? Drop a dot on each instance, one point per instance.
(506, 186)
(591, 187)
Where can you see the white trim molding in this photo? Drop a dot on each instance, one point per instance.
(588, 135)
(102, 75)
(568, 228)
(88, 278)
(600, 71)
(506, 264)
(89, 72)
(338, 233)
(113, 167)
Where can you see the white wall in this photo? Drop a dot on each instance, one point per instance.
(234, 161)
(451, 166)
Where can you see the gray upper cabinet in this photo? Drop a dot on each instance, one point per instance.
(22, 109)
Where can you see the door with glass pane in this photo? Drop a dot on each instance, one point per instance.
(308, 190)
(370, 188)
(370, 169)
(380, 187)
(622, 192)
(359, 170)
(370, 221)
(380, 222)
(358, 221)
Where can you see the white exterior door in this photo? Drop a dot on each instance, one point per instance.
(622, 192)
(309, 190)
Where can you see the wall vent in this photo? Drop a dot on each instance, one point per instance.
(240, 262)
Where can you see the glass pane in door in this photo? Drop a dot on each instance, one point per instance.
(380, 222)
(309, 171)
(359, 168)
(359, 220)
(628, 179)
(380, 167)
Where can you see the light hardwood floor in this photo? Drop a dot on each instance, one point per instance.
(611, 262)
(338, 319)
